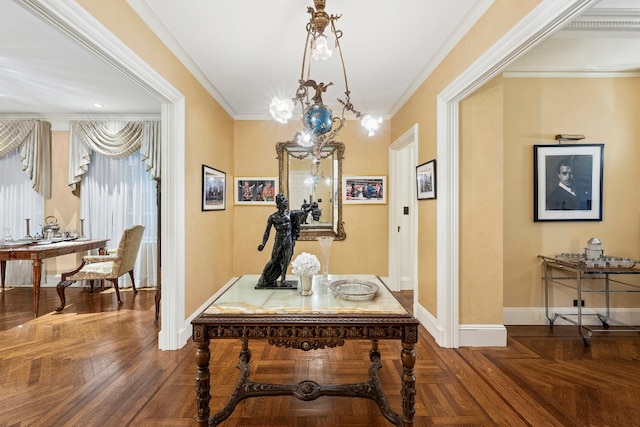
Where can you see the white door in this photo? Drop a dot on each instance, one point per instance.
(403, 236)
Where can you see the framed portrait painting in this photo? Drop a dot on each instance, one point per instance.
(213, 189)
(255, 190)
(567, 182)
(364, 189)
(426, 180)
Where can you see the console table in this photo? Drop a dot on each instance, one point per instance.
(322, 320)
(36, 253)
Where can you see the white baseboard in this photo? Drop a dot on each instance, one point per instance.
(536, 315)
(469, 335)
(186, 330)
(483, 335)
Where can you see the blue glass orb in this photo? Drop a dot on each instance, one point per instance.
(319, 118)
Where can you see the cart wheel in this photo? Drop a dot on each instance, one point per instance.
(587, 341)
(605, 325)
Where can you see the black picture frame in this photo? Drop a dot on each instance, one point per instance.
(214, 189)
(583, 166)
(426, 187)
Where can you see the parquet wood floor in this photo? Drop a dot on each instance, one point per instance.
(97, 365)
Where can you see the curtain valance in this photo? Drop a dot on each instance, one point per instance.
(116, 139)
(34, 139)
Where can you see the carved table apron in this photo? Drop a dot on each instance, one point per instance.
(286, 319)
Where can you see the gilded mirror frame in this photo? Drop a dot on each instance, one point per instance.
(334, 151)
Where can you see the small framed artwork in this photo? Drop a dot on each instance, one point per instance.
(213, 189)
(426, 180)
(255, 190)
(364, 189)
(567, 182)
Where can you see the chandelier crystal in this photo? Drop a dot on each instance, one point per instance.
(320, 125)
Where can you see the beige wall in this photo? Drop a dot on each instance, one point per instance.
(365, 250)
(421, 109)
(209, 140)
(605, 110)
(62, 204)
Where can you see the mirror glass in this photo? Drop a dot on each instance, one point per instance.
(317, 184)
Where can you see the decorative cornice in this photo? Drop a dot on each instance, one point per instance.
(60, 122)
(606, 20)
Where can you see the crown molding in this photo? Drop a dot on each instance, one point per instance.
(606, 20)
(60, 122)
(569, 74)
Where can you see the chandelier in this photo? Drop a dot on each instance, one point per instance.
(320, 125)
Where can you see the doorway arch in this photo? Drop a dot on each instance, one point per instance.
(544, 20)
(73, 20)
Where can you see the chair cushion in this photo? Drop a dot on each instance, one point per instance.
(95, 270)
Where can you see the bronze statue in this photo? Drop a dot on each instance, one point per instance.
(287, 225)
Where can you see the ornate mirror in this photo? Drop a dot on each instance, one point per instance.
(315, 183)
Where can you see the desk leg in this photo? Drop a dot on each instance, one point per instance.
(203, 381)
(3, 271)
(408, 382)
(37, 275)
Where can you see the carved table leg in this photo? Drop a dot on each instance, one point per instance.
(408, 382)
(203, 382)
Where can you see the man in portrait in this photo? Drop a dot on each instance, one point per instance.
(567, 195)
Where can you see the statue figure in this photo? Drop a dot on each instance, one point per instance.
(304, 207)
(287, 225)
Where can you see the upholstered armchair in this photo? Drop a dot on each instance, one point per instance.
(106, 267)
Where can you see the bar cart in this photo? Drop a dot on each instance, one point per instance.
(605, 276)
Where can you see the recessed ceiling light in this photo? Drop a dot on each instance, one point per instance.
(97, 105)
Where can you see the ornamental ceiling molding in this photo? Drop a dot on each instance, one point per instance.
(593, 20)
(606, 20)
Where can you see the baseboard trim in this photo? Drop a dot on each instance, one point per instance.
(481, 335)
(186, 330)
(537, 316)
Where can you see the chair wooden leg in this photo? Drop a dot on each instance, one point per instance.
(60, 288)
(115, 286)
(133, 282)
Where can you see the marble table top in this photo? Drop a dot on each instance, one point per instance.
(242, 298)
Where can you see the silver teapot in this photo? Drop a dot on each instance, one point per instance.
(50, 228)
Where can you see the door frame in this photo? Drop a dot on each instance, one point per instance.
(72, 19)
(545, 19)
(402, 170)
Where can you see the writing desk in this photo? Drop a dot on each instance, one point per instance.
(322, 320)
(36, 253)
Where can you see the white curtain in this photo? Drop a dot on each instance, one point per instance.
(34, 139)
(116, 194)
(19, 201)
(116, 139)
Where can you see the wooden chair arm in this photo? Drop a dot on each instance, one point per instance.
(64, 276)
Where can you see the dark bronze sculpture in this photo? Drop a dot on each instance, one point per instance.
(316, 212)
(287, 225)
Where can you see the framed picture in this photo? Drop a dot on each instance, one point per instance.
(255, 190)
(426, 180)
(213, 189)
(364, 189)
(567, 182)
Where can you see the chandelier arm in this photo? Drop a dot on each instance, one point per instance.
(304, 54)
(347, 92)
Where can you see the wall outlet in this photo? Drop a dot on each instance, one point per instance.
(575, 303)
